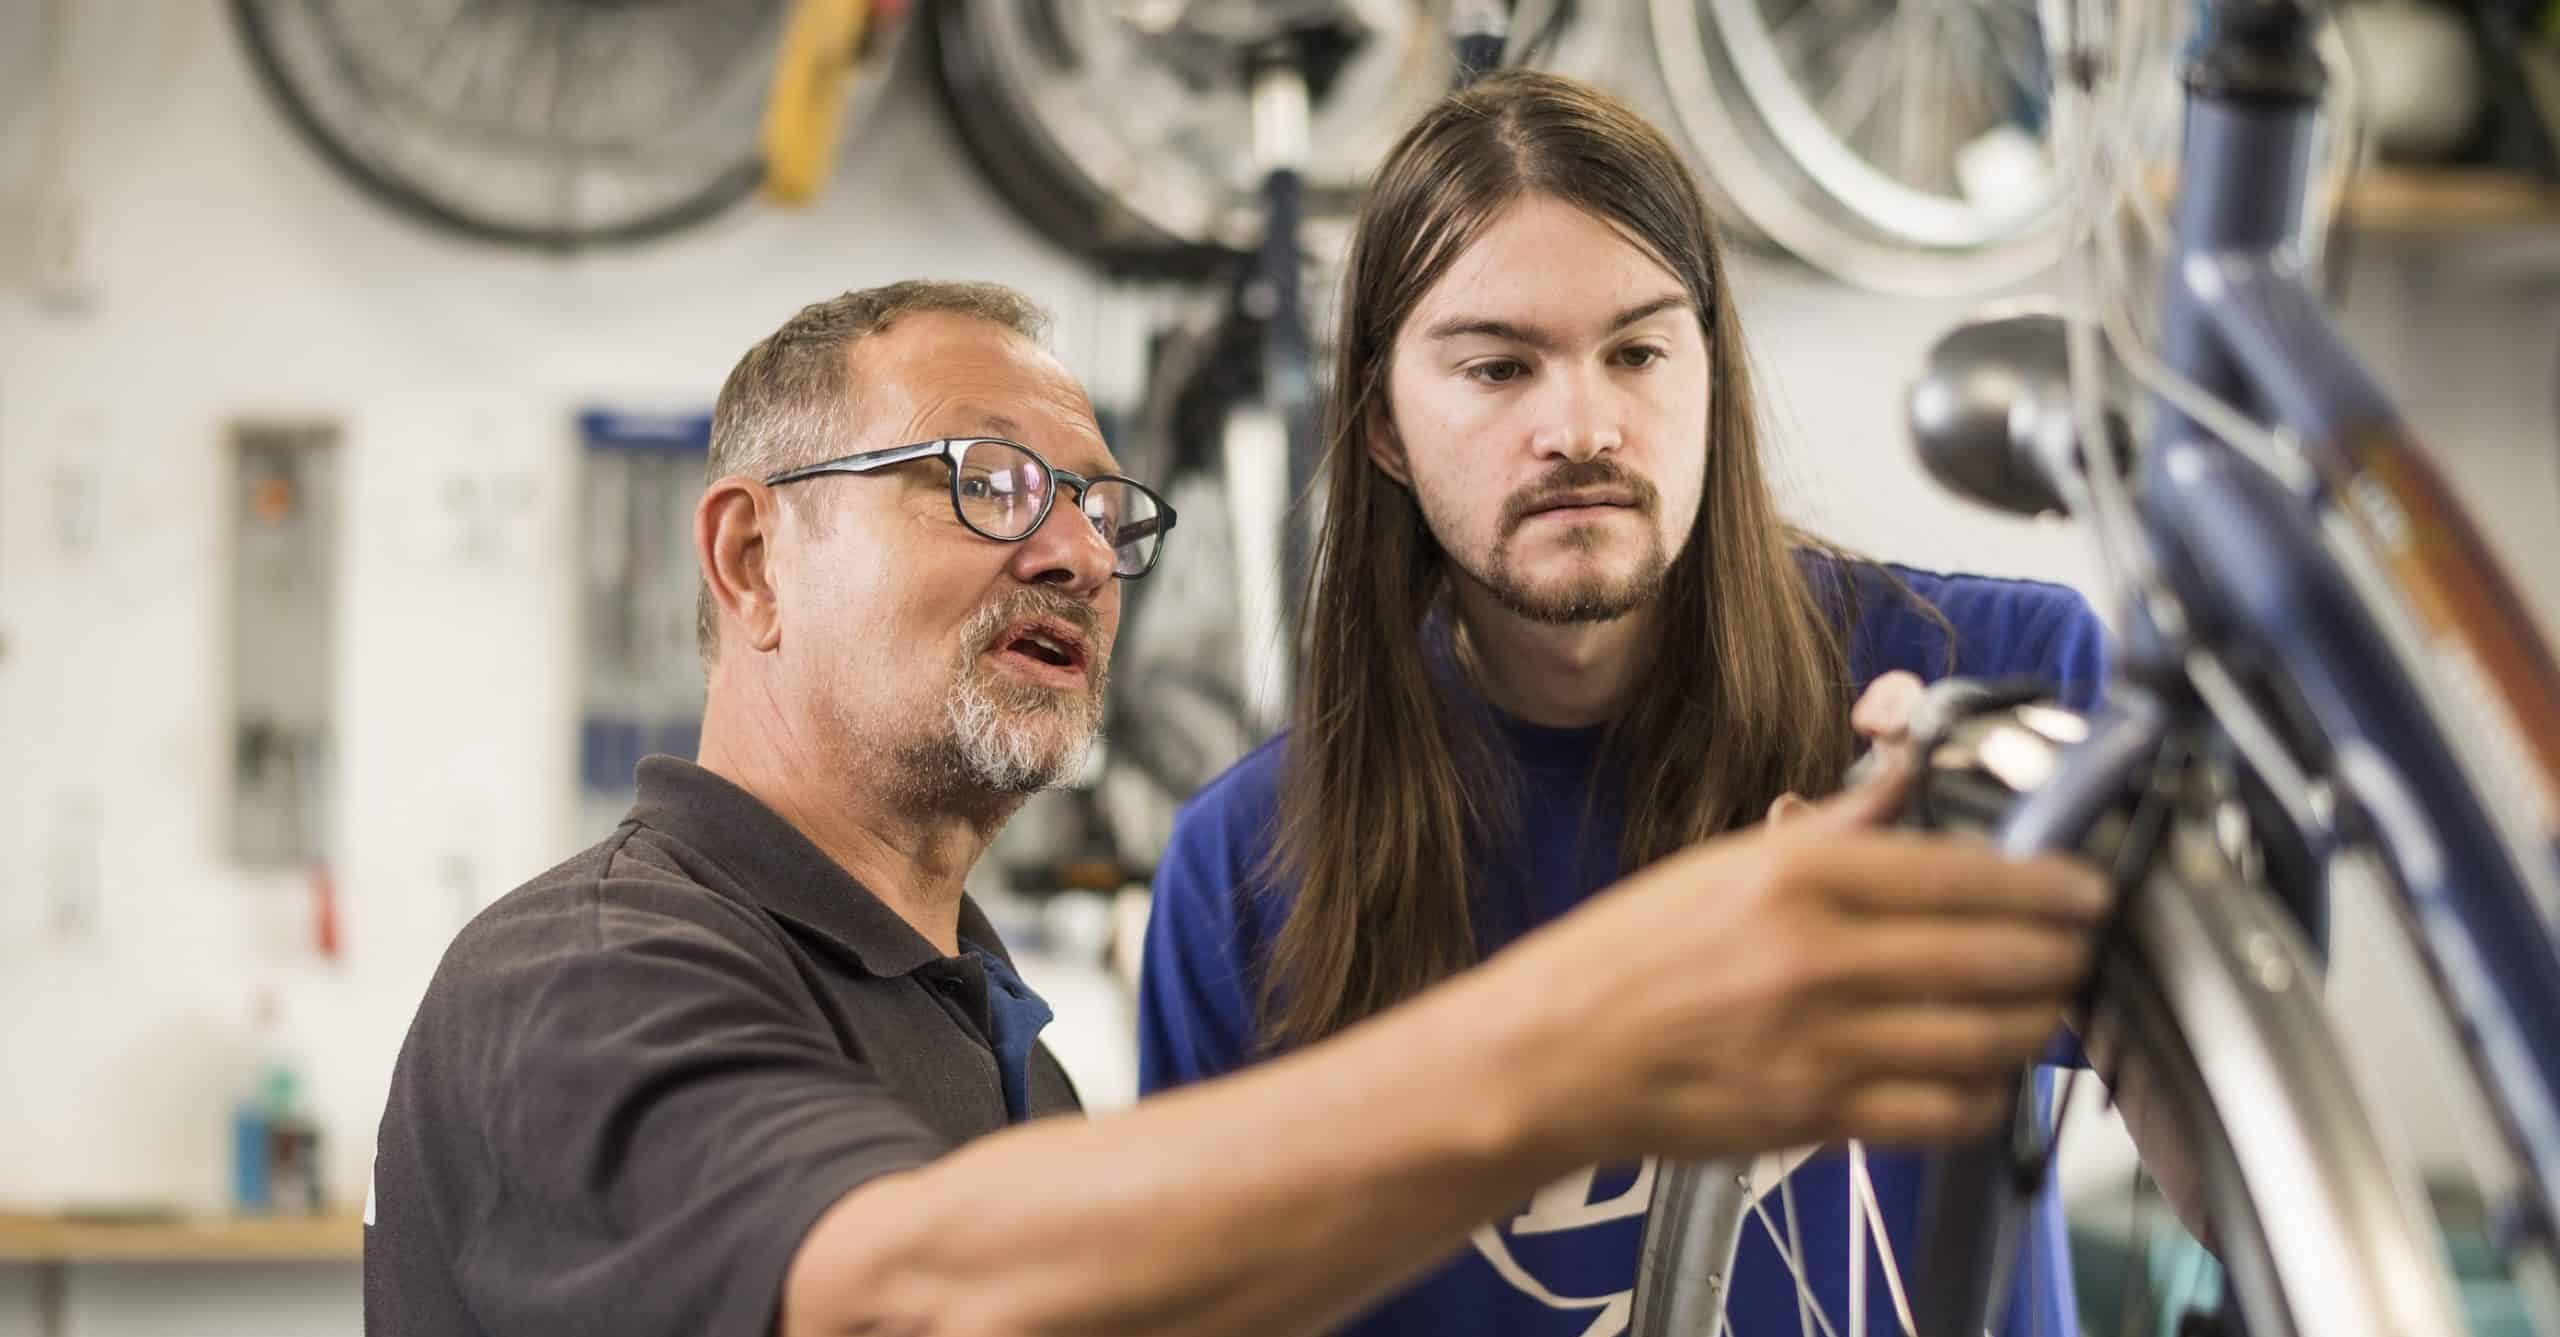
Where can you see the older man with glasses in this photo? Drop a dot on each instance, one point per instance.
(716, 1073)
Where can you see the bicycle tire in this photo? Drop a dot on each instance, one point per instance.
(718, 194)
(1753, 171)
(1040, 188)
(1121, 153)
(2213, 991)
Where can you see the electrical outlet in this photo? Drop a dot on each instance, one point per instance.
(55, 260)
(485, 516)
(78, 489)
(72, 882)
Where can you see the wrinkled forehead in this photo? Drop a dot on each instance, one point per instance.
(940, 377)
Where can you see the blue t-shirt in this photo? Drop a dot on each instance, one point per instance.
(1564, 1262)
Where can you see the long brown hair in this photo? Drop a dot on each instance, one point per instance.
(1384, 807)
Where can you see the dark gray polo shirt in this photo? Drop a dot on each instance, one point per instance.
(636, 1081)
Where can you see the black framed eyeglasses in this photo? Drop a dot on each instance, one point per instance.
(1003, 490)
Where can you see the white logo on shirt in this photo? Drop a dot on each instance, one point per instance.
(1567, 1204)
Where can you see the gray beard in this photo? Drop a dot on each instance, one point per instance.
(1000, 742)
(1000, 739)
(1006, 740)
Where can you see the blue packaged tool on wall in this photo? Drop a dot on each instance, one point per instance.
(640, 681)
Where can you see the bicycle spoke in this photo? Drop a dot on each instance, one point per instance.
(1851, 102)
(1795, 1245)
(467, 27)
(1911, 29)
(1864, 1185)
(1857, 1244)
(1795, 1266)
(1865, 1219)
(1804, 33)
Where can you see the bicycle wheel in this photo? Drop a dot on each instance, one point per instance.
(2209, 998)
(1904, 147)
(1127, 132)
(540, 123)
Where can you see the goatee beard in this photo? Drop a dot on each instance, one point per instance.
(1004, 739)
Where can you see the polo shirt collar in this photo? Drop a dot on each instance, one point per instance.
(785, 873)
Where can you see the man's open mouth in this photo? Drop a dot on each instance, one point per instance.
(1045, 648)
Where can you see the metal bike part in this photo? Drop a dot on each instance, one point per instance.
(2342, 1242)
(2370, 595)
(2206, 1009)
(2002, 772)
(1692, 1226)
(1255, 469)
(1993, 419)
(550, 124)
(1127, 131)
(1975, 60)
(2236, 982)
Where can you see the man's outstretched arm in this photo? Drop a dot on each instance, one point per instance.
(1759, 991)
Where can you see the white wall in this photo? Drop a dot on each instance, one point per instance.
(225, 270)
(231, 272)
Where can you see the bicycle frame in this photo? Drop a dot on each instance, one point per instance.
(2260, 574)
(2468, 825)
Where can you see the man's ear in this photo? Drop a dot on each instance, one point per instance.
(731, 526)
(1385, 446)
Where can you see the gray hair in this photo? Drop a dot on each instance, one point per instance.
(789, 401)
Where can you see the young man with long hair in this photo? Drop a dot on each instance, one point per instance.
(1556, 631)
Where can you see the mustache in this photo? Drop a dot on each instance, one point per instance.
(1576, 476)
(1036, 601)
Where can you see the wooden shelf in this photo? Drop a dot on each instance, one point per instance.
(280, 1239)
(2409, 201)
(2387, 200)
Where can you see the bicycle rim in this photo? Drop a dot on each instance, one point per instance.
(1797, 182)
(557, 197)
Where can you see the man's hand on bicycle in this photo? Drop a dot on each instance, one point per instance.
(1826, 979)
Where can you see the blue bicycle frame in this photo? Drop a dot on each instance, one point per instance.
(2245, 557)
(2243, 566)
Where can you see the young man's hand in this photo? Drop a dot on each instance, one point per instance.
(1882, 717)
